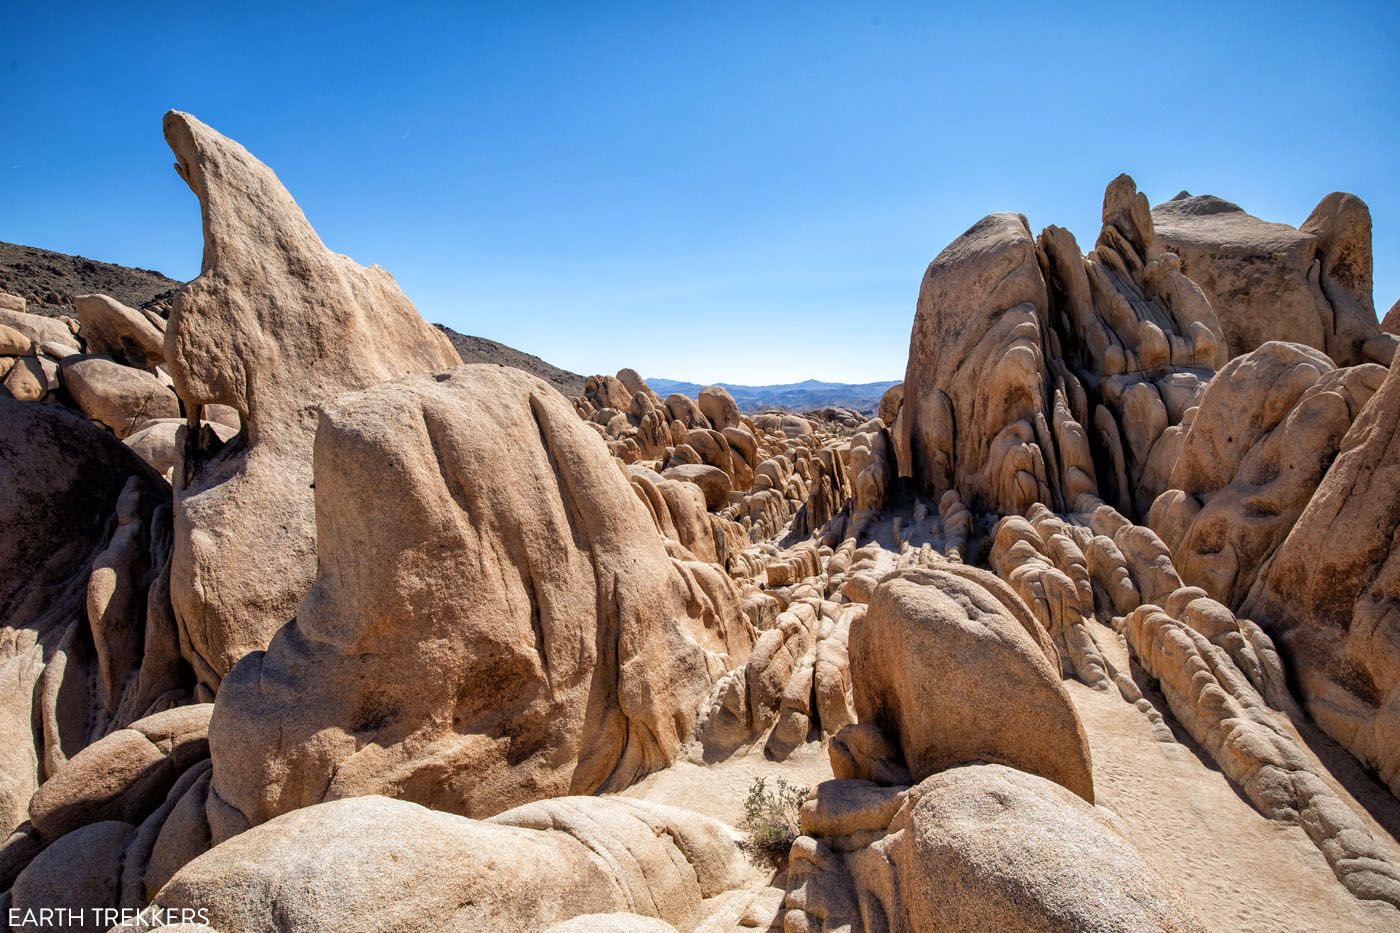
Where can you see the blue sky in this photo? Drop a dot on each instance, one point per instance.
(714, 192)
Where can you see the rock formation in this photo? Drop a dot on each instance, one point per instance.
(554, 646)
(1240, 482)
(933, 666)
(1329, 594)
(88, 644)
(402, 643)
(275, 325)
(1000, 394)
(975, 848)
(336, 864)
(1269, 281)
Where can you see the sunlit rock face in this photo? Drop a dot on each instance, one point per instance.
(275, 325)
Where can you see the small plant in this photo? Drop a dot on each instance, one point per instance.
(771, 821)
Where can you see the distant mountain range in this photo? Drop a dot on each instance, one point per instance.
(797, 396)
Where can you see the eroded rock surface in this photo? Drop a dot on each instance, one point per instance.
(1270, 281)
(980, 847)
(474, 532)
(87, 641)
(333, 865)
(274, 325)
(1331, 594)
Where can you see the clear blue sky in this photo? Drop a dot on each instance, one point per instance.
(745, 192)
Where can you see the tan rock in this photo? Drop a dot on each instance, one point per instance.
(891, 403)
(941, 666)
(1269, 426)
(1331, 595)
(158, 442)
(38, 328)
(14, 343)
(330, 866)
(1270, 281)
(122, 776)
(110, 328)
(275, 325)
(785, 425)
(719, 407)
(992, 848)
(634, 383)
(84, 606)
(607, 392)
(611, 923)
(80, 872)
(121, 397)
(556, 647)
(713, 482)
(1391, 322)
(679, 512)
(993, 350)
(1232, 721)
(28, 380)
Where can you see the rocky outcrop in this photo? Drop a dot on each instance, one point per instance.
(110, 328)
(950, 676)
(1140, 339)
(795, 685)
(406, 583)
(121, 398)
(1220, 675)
(274, 325)
(1270, 281)
(1331, 594)
(158, 442)
(1267, 429)
(88, 643)
(555, 646)
(122, 815)
(1039, 375)
(978, 324)
(333, 865)
(982, 847)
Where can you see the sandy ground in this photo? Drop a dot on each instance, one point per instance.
(718, 790)
(1240, 871)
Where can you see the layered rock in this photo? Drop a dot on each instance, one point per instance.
(274, 325)
(122, 398)
(110, 328)
(1222, 680)
(122, 815)
(1141, 341)
(1270, 281)
(978, 336)
(948, 673)
(795, 685)
(495, 619)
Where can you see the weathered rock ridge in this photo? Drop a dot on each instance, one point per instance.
(274, 325)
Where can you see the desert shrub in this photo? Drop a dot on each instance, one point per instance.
(771, 821)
